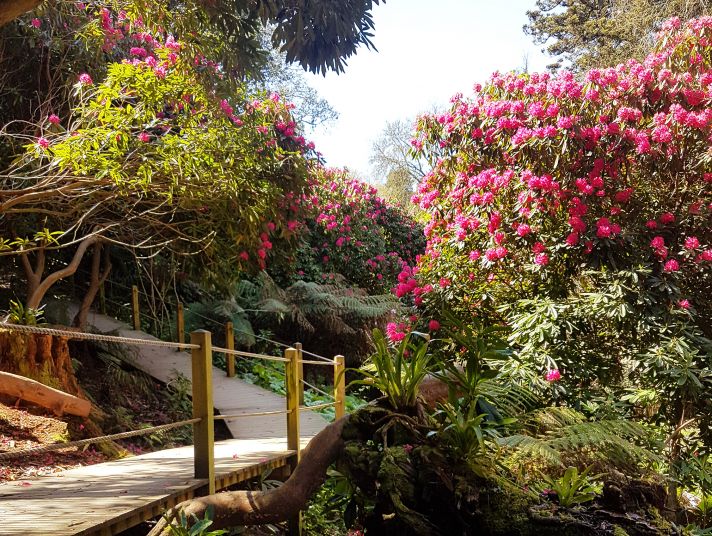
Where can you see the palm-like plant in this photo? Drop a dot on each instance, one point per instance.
(397, 371)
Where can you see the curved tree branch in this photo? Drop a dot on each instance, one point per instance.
(239, 508)
(34, 300)
(235, 508)
(11, 9)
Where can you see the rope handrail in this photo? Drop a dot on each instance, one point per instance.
(249, 354)
(319, 406)
(100, 439)
(257, 414)
(309, 362)
(82, 335)
(315, 388)
(318, 356)
(216, 323)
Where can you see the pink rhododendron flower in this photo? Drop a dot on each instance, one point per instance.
(433, 325)
(542, 259)
(43, 142)
(85, 79)
(144, 137)
(523, 229)
(671, 266)
(684, 304)
(54, 119)
(692, 242)
(553, 375)
(36, 23)
(657, 243)
(667, 218)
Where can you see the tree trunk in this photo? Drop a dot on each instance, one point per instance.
(97, 278)
(35, 299)
(44, 358)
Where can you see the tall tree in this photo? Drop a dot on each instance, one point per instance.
(46, 48)
(584, 34)
(398, 188)
(393, 163)
(277, 75)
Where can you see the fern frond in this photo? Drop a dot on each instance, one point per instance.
(510, 400)
(553, 435)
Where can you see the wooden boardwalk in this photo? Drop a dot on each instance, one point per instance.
(231, 396)
(110, 497)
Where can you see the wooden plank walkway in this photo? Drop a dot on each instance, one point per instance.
(231, 396)
(110, 497)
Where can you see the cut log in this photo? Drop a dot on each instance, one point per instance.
(33, 391)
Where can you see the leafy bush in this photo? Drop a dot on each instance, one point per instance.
(576, 211)
(573, 488)
(397, 371)
(356, 234)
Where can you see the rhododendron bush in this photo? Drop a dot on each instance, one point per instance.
(578, 211)
(356, 234)
(157, 158)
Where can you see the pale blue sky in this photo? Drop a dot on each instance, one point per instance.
(427, 51)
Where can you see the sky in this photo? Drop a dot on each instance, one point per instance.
(427, 51)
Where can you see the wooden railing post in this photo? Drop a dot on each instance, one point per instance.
(298, 347)
(292, 386)
(339, 386)
(134, 307)
(180, 323)
(230, 345)
(293, 383)
(203, 431)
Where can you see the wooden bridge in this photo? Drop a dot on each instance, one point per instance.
(107, 498)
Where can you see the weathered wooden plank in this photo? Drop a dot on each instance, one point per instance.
(113, 496)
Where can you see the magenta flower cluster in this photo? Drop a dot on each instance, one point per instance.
(535, 173)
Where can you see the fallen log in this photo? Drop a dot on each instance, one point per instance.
(33, 391)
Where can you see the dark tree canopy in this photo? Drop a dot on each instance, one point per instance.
(318, 34)
(598, 33)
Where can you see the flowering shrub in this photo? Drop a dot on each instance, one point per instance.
(355, 233)
(578, 211)
(167, 162)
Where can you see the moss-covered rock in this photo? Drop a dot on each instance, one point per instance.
(410, 483)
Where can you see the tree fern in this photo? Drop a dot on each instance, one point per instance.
(213, 314)
(555, 435)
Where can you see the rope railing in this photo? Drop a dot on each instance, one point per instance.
(311, 362)
(255, 414)
(100, 439)
(330, 361)
(82, 335)
(240, 353)
(318, 406)
(315, 388)
(202, 397)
